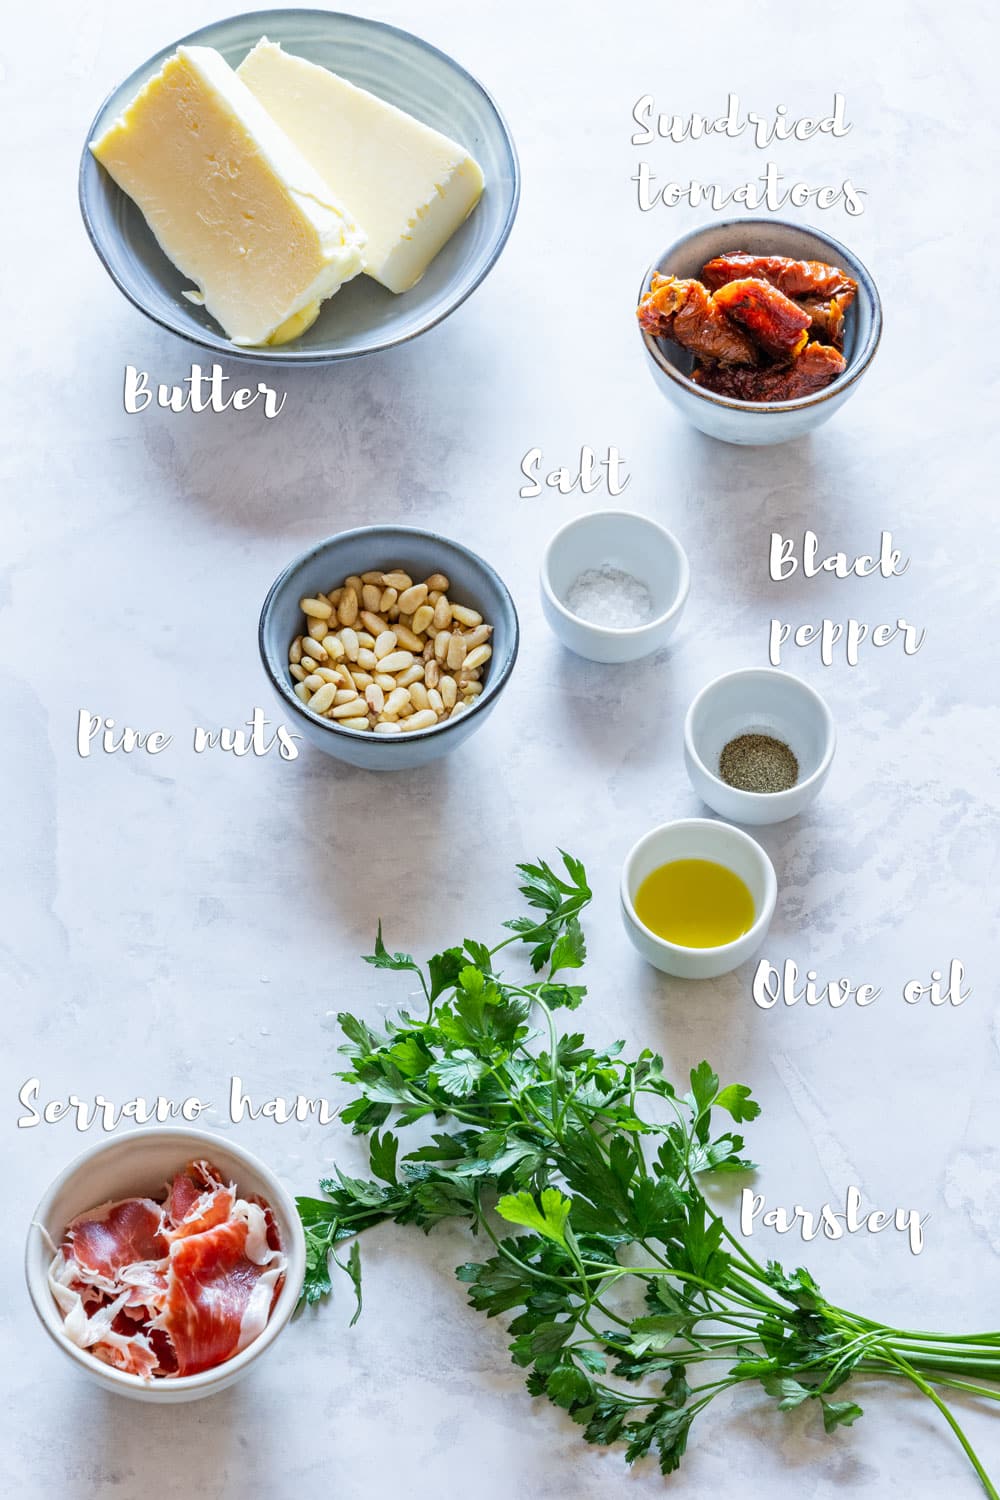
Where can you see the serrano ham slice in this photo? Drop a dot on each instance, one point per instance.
(118, 1234)
(221, 1287)
(162, 1289)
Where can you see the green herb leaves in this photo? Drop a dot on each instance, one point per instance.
(625, 1281)
(548, 1216)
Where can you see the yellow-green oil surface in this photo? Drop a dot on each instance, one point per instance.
(695, 903)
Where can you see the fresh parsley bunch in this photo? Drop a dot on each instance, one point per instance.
(633, 1305)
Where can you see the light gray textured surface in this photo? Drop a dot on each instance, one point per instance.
(154, 940)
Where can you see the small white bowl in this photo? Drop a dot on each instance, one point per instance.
(137, 1165)
(631, 543)
(699, 838)
(762, 422)
(758, 701)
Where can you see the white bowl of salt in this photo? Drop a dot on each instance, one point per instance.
(614, 585)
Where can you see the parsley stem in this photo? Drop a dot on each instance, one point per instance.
(953, 1423)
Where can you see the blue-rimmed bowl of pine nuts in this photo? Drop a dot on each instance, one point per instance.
(388, 645)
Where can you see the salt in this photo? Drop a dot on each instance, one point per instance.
(610, 597)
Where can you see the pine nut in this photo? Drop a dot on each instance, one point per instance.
(478, 657)
(327, 674)
(425, 719)
(442, 614)
(412, 598)
(374, 576)
(411, 675)
(422, 617)
(460, 708)
(472, 689)
(371, 597)
(348, 710)
(323, 698)
(456, 652)
(386, 726)
(375, 698)
(441, 643)
(385, 682)
(367, 659)
(309, 663)
(396, 661)
(334, 647)
(373, 622)
(346, 695)
(354, 582)
(397, 700)
(438, 581)
(351, 643)
(432, 673)
(406, 638)
(449, 691)
(362, 679)
(313, 682)
(385, 643)
(435, 701)
(317, 609)
(478, 636)
(465, 616)
(355, 723)
(418, 695)
(365, 638)
(347, 609)
(387, 600)
(295, 650)
(397, 580)
(296, 671)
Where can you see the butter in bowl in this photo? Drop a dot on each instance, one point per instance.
(235, 184)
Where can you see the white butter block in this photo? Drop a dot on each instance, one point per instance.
(231, 200)
(408, 186)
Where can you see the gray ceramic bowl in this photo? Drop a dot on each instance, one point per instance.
(473, 583)
(762, 422)
(363, 316)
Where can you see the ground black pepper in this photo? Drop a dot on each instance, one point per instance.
(758, 763)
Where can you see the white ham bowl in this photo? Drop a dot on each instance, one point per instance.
(140, 1164)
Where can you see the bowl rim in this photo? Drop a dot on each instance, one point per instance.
(753, 934)
(617, 632)
(858, 365)
(172, 1389)
(791, 793)
(287, 354)
(492, 687)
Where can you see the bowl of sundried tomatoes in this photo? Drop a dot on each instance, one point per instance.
(758, 330)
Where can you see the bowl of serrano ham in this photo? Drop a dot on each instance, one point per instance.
(165, 1262)
(758, 330)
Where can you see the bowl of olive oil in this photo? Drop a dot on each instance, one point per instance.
(697, 897)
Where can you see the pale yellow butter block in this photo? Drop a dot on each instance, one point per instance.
(231, 200)
(408, 186)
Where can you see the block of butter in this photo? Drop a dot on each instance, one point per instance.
(231, 200)
(408, 186)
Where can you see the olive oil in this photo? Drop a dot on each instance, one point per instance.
(695, 903)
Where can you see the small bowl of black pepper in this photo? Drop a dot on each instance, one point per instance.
(758, 745)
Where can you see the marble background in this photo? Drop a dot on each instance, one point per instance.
(154, 938)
